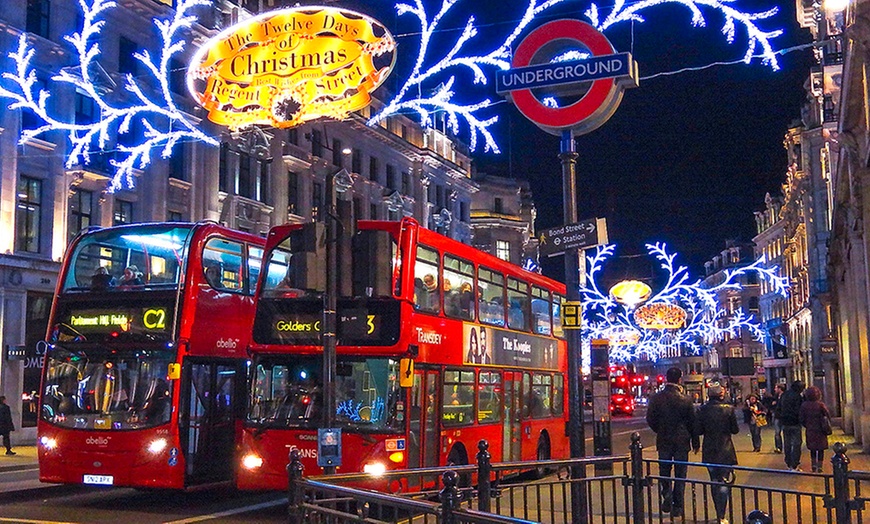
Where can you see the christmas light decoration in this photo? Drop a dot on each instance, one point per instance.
(683, 314)
(757, 37)
(165, 125)
(631, 292)
(409, 98)
(163, 122)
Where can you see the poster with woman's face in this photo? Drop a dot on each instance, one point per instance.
(476, 344)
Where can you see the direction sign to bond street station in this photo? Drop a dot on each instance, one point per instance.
(588, 233)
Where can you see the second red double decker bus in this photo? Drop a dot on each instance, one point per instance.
(145, 364)
(484, 337)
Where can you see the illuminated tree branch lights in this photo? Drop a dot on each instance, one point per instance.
(164, 124)
(705, 321)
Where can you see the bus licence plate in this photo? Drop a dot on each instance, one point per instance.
(103, 480)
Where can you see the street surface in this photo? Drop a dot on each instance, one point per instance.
(24, 500)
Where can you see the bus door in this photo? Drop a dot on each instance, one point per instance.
(424, 420)
(511, 436)
(210, 396)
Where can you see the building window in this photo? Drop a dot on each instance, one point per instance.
(126, 61)
(356, 161)
(38, 12)
(292, 192)
(123, 212)
(463, 211)
(337, 154)
(176, 162)
(317, 201)
(293, 136)
(503, 249)
(86, 109)
(262, 182)
(224, 168)
(174, 216)
(373, 169)
(245, 181)
(80, 208)
(29, 120)
(316, 143)
(406, 183)
(177, 77)
(439, 196)
(27, 217)
(498, 206)
(391, 176)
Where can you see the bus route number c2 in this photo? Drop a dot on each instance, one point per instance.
(154, 318)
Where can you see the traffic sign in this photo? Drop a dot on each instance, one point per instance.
(598, 102)
(559, 73)
(557, 240)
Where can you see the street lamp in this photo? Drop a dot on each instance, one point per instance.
(336, 183)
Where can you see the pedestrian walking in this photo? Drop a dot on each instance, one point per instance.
(789, 412)
(6, 425)
(814, 416)
(757, 420)
(717, 421)
(671, 415)
(776, 417)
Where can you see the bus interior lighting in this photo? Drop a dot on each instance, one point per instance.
(252, 461)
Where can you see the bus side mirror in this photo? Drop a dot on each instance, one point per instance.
(406, 372)
(174, 371)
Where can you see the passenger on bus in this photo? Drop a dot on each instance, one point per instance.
(213, 275)
(102, 279)
(131, 277)
(465, 300)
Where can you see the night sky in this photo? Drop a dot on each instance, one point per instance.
(685, 160)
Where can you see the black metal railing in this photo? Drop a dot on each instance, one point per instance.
(519, 492)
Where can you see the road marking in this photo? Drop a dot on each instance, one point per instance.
(227, 513)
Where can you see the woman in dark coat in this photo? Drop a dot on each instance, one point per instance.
(716, 421)
(812, 414)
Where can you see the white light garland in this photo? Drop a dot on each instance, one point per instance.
(164, 124)
(706, 321)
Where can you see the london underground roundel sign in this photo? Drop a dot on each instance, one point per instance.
(605, 74)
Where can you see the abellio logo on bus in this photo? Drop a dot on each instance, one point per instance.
(98, 441)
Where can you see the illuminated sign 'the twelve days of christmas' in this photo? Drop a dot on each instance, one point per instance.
(286, 67)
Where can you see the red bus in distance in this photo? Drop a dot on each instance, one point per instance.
(144, 379)
(483, 335)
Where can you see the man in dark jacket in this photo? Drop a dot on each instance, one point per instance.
(789, 414)
(717, 421)
(671, 415)
(6, 425)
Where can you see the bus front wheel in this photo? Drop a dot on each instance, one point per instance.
(459, 457)
(543, 453)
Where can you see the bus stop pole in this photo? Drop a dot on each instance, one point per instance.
(573, 267)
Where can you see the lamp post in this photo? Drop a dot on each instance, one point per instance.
(339, 182)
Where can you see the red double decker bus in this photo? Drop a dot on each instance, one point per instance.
(144, 378)
(439, 345)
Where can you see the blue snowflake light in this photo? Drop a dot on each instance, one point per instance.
(705, 323)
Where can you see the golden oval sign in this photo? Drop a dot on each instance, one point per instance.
(283, 68)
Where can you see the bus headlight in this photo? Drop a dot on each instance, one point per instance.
(48, 443)
(252, 461)
(375, 469)
(157, 445)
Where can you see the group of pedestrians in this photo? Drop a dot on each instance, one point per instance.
(679, 427)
